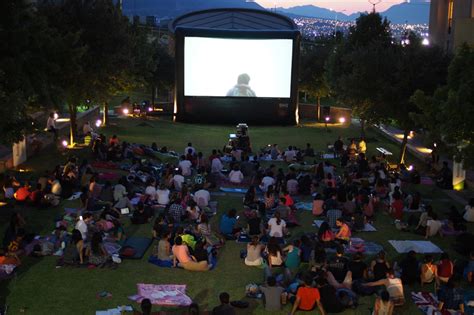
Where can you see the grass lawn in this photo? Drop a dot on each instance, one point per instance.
(40, 288)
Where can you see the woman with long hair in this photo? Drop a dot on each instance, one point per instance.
(96, 251)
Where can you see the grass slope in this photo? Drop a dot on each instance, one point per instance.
(40, 288)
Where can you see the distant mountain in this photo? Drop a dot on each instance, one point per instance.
(413, 11)
(173, 8)
(314, 11)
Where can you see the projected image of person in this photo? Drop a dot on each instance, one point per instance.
(242, 87)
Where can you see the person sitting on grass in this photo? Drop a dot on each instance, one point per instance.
(326, 235)
(451, 298)
(254, 253)
(379, 266)
(276, 226)
(74, 251)
(182, 257)
(224, 308)
(433, 226)
(344, 233)
(272, 295)
(141, 215)
(383, 304)
(307, 297)
(468, 272)
(96, 252)
(235, 176)
(227, 225)
(393, 285)
(429, 272)
(162, 254)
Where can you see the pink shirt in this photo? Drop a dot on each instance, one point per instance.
(318, 207)
(181, 253)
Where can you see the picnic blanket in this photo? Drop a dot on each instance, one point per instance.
(308, 206)
(106, 165)
(420, 247)
(119, 310)
(162, 294)
(108, 176)
(358, 245)
(140, 244)
(235, 190)
(367, 228)
(428, 304)
(75, 195)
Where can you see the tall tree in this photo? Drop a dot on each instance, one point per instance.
(106, 65)
(418, 67)
(312, 79)
(457, 105)
(357, 69)
(28, 67)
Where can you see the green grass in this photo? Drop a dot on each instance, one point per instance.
(40, 288)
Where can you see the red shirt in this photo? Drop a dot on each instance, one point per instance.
(308, 297)
(445, 268)
(398, 206)
(22, 193)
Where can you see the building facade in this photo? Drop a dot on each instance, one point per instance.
(451, 23)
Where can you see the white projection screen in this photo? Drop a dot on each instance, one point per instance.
(237, 67)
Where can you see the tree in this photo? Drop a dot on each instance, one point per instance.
(312, 61)
(418, 68)
(456, 101)
(27, 67)
(358, 68)
(106, 65)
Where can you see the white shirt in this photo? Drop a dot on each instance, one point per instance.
(82, 227)
(151, 191)
(185, 167)
(236, 177)
(178, 181)
(290, 155)
(119, 192)
(216, 165)
(202, 197)
(163, 196)
(50, 123)
(56, 188)
(275, 229)
(435, 226)
(266, 181)
(187, 149)
(469, 214)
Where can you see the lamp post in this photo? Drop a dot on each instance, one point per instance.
(326, 120)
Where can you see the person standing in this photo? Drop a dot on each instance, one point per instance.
(51, 125)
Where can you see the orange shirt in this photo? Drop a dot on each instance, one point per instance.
(308, 297)
(344, 232)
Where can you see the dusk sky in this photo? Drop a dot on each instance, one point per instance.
(351, 6)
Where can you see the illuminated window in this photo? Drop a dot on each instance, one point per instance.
(450, 15)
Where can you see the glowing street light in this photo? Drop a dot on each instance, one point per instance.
(425, 42)
(342, 120)
(56, 116)
(125, 111)
(326, 120)
(64, 143)
(98, 123)
(150, 109)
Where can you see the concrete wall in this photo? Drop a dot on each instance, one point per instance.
(461, 30)
(46, 138)
(464, 32)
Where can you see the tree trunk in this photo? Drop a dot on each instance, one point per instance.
(72, 124)
(105, 118)
(362, 128)
(153, 95)
(403, 147)
(318, 108)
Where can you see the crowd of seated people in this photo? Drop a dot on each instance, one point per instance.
(175, 199)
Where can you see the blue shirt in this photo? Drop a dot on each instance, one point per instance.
(227, 224)
(469, 268)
